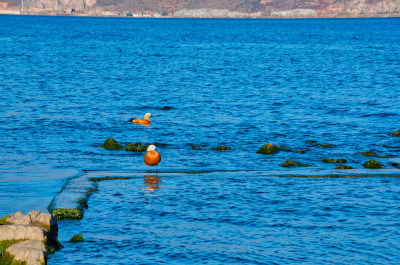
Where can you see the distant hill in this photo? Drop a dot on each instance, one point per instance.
(208, 8)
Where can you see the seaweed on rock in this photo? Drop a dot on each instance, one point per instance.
(8, 259)
(342, 160)
(397, 165)
(137, 147)
(111, 143)
(97, 179)
(76, 238)
(196, 147)
(221, 148)
(343, 167)
(395, 134)
(268, 149)
(61, 214)
(373, 164)
(369, 154)
(71, 202)
(293, 163)
(326, 145)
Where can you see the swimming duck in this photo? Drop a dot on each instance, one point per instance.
(145, 121)
(152, 157)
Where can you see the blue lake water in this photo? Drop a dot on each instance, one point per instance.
(69, 83)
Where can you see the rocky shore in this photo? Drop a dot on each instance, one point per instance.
(28, 238)
(206, 8)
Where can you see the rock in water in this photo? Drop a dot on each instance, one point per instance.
(395, 134)
(137, 147)
(372, 164)
(221, 148)
(32, 251)
(27, 238)
(341, 160)
(343, 167)
(293, 163)
(111, 143)
(34, 218)
(11, 232)
(268, 149)
(76, 238)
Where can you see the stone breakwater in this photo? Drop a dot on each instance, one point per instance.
(28, 238)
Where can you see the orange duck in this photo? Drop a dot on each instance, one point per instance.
(152, 157)
(145, 121)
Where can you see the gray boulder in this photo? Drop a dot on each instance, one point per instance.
(32, 251)
(34, 218)
(11, 232)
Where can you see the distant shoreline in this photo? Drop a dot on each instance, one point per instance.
(2, 12)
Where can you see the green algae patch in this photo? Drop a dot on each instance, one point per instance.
(4, 244)
(268, 149)
(301, 151)
(3, 221)
(221, 148)
(373, 154)
(53, 247)
(311, 142)
(343, 167)
(326, 145)
(369, 154)
(395, 134)
(342, 160)
(136, 147)
(62, 214)
(76, 238)
(111, 143)
(196, 147)
(8, 259)
(385, 156)
(293, 163)
(373, 164)
(108, 178)
(5, 257)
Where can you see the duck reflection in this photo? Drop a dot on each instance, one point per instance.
(152, 182)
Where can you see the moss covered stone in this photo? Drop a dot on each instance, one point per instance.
(369, 154)
(300, 151)
(196, 147)
(311, 142)
(268, 149)
(110, 143)
(5, 257)
(221, 148)
(343, 167)
(327, 145)
(137, 147)
(293, 163)
(97, 179)
(342, 160)
(395, 134)
(4, 244)
(61, 214)
(8, 259)
(76, 238)
(3, 221)
(396, 165)
(372, 164)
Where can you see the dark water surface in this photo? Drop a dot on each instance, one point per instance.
(69, 83)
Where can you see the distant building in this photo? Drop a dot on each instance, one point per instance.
(147, 13)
